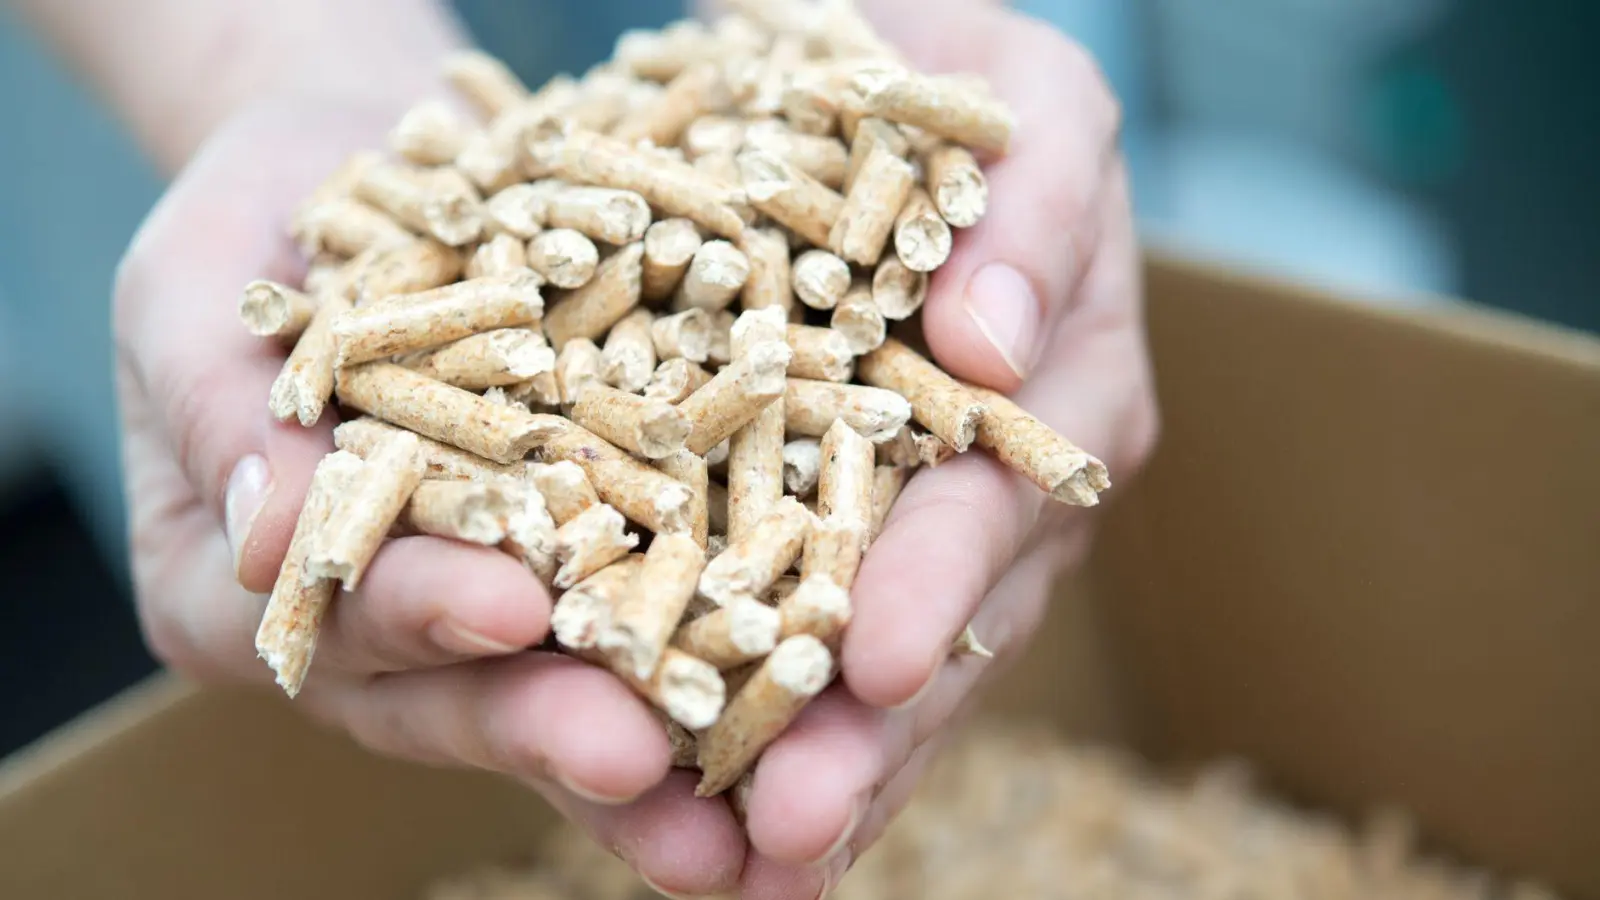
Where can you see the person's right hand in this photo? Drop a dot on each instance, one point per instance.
(424, 661)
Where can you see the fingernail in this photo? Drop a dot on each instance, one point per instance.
(842, 842)
(676, 896)
(927, 686)
(1006, 311)
(458, 638)
(837, 867)
(584, 793)
(248, 489)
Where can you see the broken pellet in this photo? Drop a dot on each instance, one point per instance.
(821, 279)
(770, 281)
(287, 636)
(1031, 448)
(796, 671)
(408, 268)
(967, 644)
(628, 358)
(715, 276)
(931, 451)
(741, 632)
(692, 472)
(305, 384)
(531, 531)
(640, 425)
(500, 357)
(869, 134)
(696, 91)
(448, 414)
(653, 499)
(685, 335)
(681, 742)
(815, 606)
(346, 227)
(566, 489)
(942, 107)
(938, 402)
(272, 310)
(643, 620)
(440, 461)
(833, 550)
(820, 354)
(749, 566)
(584, 612)
(439, 316)
(791, 197)
(596, 538)
(429, 134)
(500, 255)
(476, 512)
(540, 393)
(921, 236)
(425, 200)
(823, 158)
(897, 290)
(487, 83)
(802, 462)
(604, 214)
(887, 483)
(736, 395)
(811, 407)
(867, 218)
(366, 508)
(669, 246)
(591, 310)
(675, 379)
(959, 189)
(577, 368)
(564, 258)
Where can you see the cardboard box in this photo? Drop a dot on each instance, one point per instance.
(1365, 558)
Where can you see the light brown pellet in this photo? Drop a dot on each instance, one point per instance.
(564, 258)
(967, 644)
(811, 407)
(887, 483)
(931, 451)
(866, 220)
(713, 134)
(596, 538)
(669, 247)
(717, 273)
(304, 385)
(531, 532)
(821, 279)
(476, 512)
(821, 354)
(741, 632)
(720, 353)
(277, 311)
(897, 290)
(425, 200)
(584, 612)
(685, 335)
(604, 214)
(287, 635)
(501, 357)
(363, 436)
(749, 566)
(790, 676)
(429, 134)
(694, 92)
(959, 188)
(755, 452)
(643, 621)
(869, 134)
(802, 463)
(692, 472)
(448, 414)
(844, 485)
(943, 107)
(365, 510)
(500, 255)
(408, 268)
(591, 310)
(810, 106)
(577, 368)
(431, 318)
(687, 689)
(736, 395)
(346, 227)
(566, 489)
(938, 402)
(759, 92)
(770, 282)
(486, 82)
(921, 236)
(651, 498)
(629, 356)
(662, 55)
(816, 606)
(823, 158)
(603, 99)
(675, 379)
(519, 210)
(489, 161)
(640, 425)
(833, 550)
(791, 197)
(1035, 451)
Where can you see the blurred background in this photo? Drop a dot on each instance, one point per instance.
(1404, 151)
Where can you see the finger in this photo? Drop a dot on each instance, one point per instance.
(536, 716)
(767, 879)
(426, 602)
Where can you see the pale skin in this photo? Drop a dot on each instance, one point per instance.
(1042, 299)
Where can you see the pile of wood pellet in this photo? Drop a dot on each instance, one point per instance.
(670, 283)
(1017, 813)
